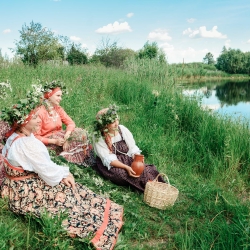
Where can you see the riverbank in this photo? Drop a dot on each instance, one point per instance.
(206, 158)
(238, 78)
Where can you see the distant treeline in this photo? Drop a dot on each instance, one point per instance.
(40, 45)
(234, 61)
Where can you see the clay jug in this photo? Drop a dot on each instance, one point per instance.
(138, 164)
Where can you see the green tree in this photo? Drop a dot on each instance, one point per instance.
(232, 61)
(150, 51)
(209, 58)
(76, 56)
(37, 44)
(110, 54)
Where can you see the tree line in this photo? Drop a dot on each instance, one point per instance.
(39, 44)
(232, 61)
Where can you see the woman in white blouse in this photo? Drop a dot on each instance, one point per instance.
(115, 148)
(34, 183)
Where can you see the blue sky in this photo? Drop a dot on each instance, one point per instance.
(184, 29)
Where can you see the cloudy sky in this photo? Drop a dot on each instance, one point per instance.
(185, 29)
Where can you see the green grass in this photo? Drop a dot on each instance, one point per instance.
(206, 157)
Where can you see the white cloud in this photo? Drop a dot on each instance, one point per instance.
(75, 38)
(116, 27)
(130, 14)
(183, 55)
(6, 31)
(227, 43)
(159, 35)
(167, 47)
(204, 33)
(84, 45)
(248, 41)
(191, 20)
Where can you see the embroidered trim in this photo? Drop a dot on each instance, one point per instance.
(20, 178)
(100, 231)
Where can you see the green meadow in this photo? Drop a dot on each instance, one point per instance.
(205, 156)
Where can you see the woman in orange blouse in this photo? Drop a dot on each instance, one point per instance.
(72, 143)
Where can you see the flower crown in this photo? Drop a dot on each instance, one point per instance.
(19, 112)
(103, 119)
(3, 89)
(49, 86)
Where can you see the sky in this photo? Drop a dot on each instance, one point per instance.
(186, 30)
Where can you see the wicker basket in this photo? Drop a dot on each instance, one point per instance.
(160, 194)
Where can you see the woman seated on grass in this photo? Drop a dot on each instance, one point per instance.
(34, 183)
(72, 143)
(115, 148)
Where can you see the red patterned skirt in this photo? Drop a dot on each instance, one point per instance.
(88, 212)
(79, 150)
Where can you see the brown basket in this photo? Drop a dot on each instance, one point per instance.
(160, 194)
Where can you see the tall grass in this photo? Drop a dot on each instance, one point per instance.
(206, 157)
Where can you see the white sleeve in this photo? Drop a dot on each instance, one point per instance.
(32, 155)
(129, 139)
(102, 151)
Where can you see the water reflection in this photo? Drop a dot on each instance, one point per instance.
(228, 98)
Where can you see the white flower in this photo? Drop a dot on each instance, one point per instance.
(155, 93)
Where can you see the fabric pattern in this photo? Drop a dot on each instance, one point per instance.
(88, 213)
(79, 151)
(4, 128)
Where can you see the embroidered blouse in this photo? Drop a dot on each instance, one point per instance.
(102, 150)
(32, 155)
(52, 124)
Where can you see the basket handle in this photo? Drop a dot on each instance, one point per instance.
(161, 174)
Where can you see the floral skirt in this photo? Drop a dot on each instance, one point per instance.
(2, 170)
(79, 150)
(4, 128)
(89, 214)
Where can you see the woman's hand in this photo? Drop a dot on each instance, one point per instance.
(59, 141)
(131, 172)
(67, 135)
(65, 146)
(69, 181)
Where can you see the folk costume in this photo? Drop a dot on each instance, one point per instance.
(120, 147)
(79, 150)
(35, 184)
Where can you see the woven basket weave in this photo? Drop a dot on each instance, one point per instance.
(160, 194)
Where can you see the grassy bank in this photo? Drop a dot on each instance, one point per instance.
(205, 157)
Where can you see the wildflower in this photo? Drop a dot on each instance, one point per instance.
(156, 93)
(3, 89)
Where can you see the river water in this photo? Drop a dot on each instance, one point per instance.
(228, 98)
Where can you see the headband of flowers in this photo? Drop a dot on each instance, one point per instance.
(49, 86)
(105, 118)
(19, 112)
